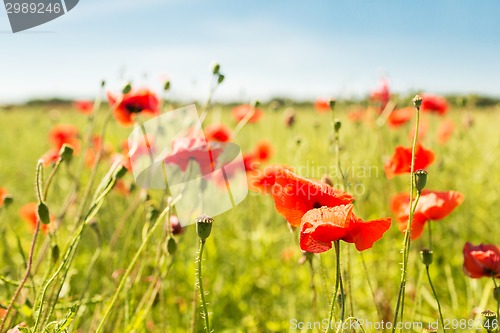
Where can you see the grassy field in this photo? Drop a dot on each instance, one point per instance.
(251, 264)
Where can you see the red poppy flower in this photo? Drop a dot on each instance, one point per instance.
(3, 194)
(432, 205)
(195, 148)
(85, 107)
(357, 116)
(218, 132)
(128, 105)
(63, 133)
(433, 103)
(322, 105)
(29, 213)
(263, 181)
(400, 162)
(294, 196)
(321, 226)
(263, 151)
(244, 111)
(481, 260)
(399, 117)
(445, 130)
(381, 93)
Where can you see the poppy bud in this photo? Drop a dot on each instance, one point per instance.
(332, 102)
(220, 78)
(120, 172)
(127, 88)
(490, 322)
(103, 83)
(204, 226)
(7, 200)
(420, 179)
(417, 101)
(256, 103)
(166, 87)
(337, 125)
(55, 253)
(426, 256)
(43, 213)
(215, 68)
(171, 246)
(66, 152)
(152, 213)
(496, 294)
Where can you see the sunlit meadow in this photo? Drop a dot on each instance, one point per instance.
(85, 249)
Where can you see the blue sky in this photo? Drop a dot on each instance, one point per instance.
(302, 49)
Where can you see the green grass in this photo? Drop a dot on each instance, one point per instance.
(250, 266)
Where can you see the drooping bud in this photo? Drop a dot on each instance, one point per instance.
(204, 226)
(220, 79)
(66, 152)
(420, 179)
(43, 213)
(55, 253)
(152, 213)
(417, 101)
(171, 246)
(215, 68)
(127, 88)
(426, 256)
(166, 86)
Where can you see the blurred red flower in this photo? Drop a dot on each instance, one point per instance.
(381, 93)
(445, 130)
(85, 107)
(50, 157)
(357, 116)
(3, 194)
(218, 132)
(321, 226)
(481, 260)
(197, 149)
(245, 110)
(400, 161)
(64, 133)
(432, 205)
(433, 103)
(399, 117)
(175, 225)
(322, 105)
(29, 213)
(263, 151)
(294, 196)
(125, 107)
(94, 149)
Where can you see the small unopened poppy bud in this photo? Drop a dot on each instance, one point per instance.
(166, 86)
(215, 68)
(204, 226)
(120, 171)
(337, 125)
(66, 152)
(55, 253)
(7, 200)
(417, 101)
(420, 179)
(43, 213)
(332, 102)
(103, 83)
(298, 141)
(327, 180)
(171, 246)
(220, 79)
(490, 322)
(256, 103)
(496, 294)
(152, 213)
(127, 88)
(426, 256)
